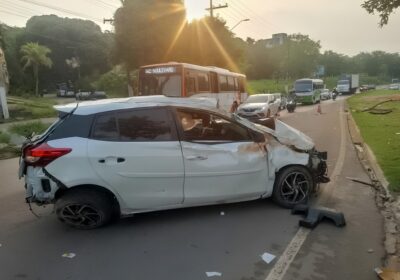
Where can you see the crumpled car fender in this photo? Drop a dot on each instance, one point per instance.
(280, 156)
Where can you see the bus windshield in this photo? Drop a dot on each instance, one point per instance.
(168, 85)
(303, 86)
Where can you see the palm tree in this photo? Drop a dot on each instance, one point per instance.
(35, 55)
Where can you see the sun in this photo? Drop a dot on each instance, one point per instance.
(195, 9)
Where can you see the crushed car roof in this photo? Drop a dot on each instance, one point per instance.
(105, 105)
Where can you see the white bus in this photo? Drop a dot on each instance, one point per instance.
(308, 90)
(187, 80)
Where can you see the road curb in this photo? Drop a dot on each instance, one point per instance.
(385, 201)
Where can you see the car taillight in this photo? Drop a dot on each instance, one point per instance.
(43, 154)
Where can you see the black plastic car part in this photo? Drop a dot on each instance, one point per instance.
(314, 215)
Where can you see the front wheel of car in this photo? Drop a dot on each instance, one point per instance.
(84, 209)
(293, 185)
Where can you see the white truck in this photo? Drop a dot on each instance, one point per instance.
(348, 83)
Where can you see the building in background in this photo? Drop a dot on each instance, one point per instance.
(4, 84)
(276, 40)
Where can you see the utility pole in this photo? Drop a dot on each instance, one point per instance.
(212, 8)
(108, 20)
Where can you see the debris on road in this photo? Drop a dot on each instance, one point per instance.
(387, 274)
(373, 184)
(68, 255)
(222, 213)
(267, 257)
(316, 214)
(370, 251)
(213, 274)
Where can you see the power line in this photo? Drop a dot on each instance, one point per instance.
(40, 4)
(262, 19)
(23, 8)
(14, 14)
(13, 10)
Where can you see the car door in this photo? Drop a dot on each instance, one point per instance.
(137, 153)
(222, 162)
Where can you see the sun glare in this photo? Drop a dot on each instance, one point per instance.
(195, 9)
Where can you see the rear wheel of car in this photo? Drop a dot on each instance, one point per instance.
(84, 209)
(293, 186)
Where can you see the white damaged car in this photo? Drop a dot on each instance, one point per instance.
(117, 157)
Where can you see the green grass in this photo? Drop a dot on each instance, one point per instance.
(381, 132)
(26, 129)
(31, 108)
(4, 138)
(9, 152)
(268, 86)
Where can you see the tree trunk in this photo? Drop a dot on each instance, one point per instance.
(36, 77)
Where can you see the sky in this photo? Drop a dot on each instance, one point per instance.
(340, 25)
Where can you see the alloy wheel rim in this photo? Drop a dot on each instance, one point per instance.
(81, 215)
(295, 187)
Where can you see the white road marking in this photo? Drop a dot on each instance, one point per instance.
(282, 265)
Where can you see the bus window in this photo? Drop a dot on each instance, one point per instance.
(231, 84)
(169, 85)
(223, 83)
(190, 82)
(214, 82)
(241, 85)
(203, 82)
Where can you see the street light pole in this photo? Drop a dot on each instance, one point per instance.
(247, 19)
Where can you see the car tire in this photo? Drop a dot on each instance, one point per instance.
(293, 185)
(84, 209)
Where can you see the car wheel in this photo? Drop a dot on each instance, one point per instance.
(84, 209)
(293, 186)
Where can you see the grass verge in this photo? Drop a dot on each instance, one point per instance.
(26, 129)
(4, 138)
(381, 131)
(30, 108)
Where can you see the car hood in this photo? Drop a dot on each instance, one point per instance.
(289, 136)
(252, 106)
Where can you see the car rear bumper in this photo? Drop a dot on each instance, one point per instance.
(40, 187)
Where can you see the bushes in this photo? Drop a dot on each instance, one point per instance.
(4, 138)
(114, 83)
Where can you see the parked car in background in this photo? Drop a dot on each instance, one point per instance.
(91, 95)
(326, 94)
(116, 157)
(259, 106)
(367, 87)
(394, 87)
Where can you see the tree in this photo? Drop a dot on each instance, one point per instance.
(383, 7)
(70, 40)
(208, 41)
(35, 55)
(335, 63)
(146, 31)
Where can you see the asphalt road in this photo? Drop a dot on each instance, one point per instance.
(185, 244)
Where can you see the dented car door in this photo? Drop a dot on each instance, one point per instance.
(222, 162)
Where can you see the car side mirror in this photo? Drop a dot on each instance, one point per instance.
(258, 137)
